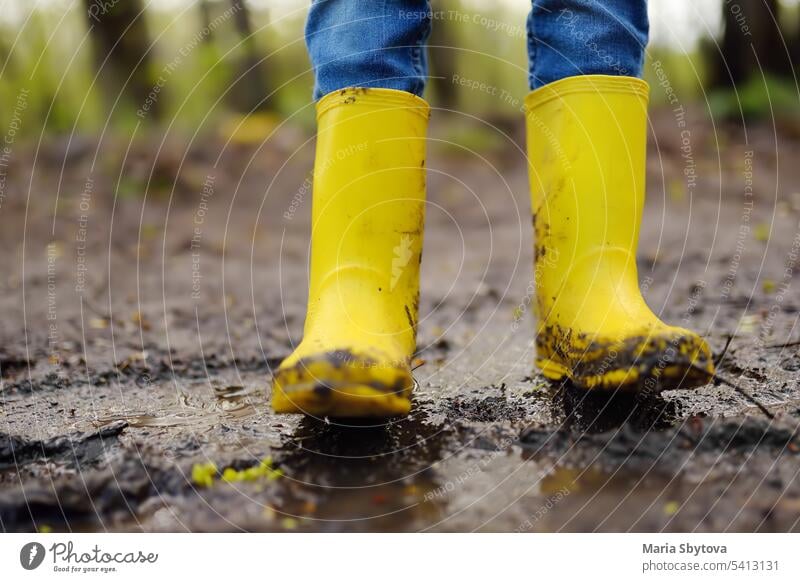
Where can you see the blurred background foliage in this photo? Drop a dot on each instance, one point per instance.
(114, 65)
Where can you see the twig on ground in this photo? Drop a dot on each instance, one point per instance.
(749, 397)
(722, 354)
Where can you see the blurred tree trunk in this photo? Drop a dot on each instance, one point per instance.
(443, 58)
(794, 48)
(205, 20)
(751, 42)
(251, 89)
(121, 42)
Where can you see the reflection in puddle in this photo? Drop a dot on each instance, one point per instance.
(364, 477)
(602, 410)
(572, 480)
(612, 467)
(591, 499)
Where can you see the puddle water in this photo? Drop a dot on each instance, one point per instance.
(364, 477)
(197, 408)
(599, 410)
(149, 420)
(389, 477)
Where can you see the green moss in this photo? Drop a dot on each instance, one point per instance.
(205, 474)
(263, 470)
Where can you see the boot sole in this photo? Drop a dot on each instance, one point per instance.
(339, 400)
(629, 379)
(341, 384)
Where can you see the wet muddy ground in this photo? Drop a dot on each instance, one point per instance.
(148, 289)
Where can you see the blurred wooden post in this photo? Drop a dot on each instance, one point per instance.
(751, 43)
(251, 90)
(205, 19)
(121, 42)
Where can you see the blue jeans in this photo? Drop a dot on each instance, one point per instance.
(381, 43)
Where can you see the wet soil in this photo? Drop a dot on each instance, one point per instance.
(148, 291)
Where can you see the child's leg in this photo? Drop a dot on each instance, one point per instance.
(587, 136)
(367, 43)
(367, 213)
(586, 37)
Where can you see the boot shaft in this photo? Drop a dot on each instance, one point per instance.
(368, 211)
(586, 160)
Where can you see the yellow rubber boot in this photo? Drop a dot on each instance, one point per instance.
(367, 220)
(586, 144)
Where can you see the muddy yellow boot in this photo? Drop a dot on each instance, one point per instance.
(367, 219)
(586, 144)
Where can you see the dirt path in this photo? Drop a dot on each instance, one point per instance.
(138, 336)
